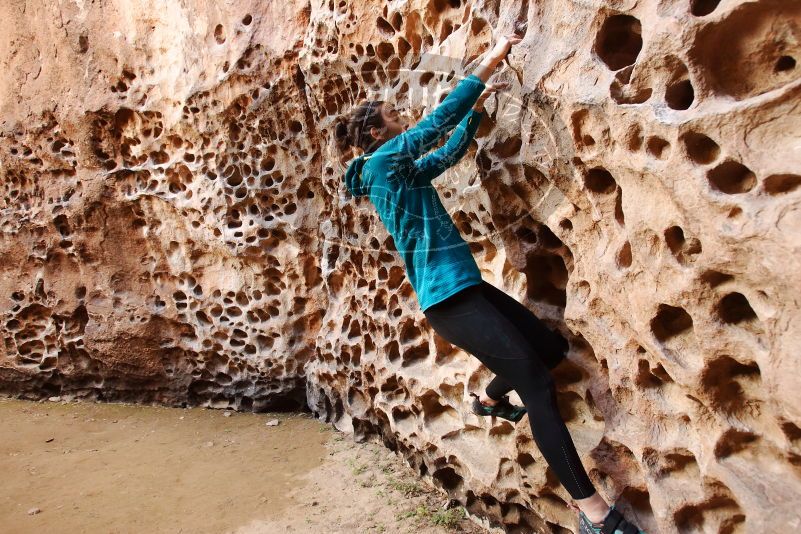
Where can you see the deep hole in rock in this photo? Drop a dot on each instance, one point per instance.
(734, 308)
(634, 138)
(715, 278)
(688, 251)
(548, 238)
(731, 177)
(447, 478)
(700, 148)
(717, 512)
(727, 383)
(670, 321)
(567, 373)
(784, 63)
(791, 430)
(546, 279)
(385, 27)
(674, 237)
(645, 378)
(670, 462)
(524, 460)
(777, 184)
(700, 8)
(657, 147)
(623, 258)
(733, 441)
(680, 95)
(619, 41)
(640, 502)
(599, 180)
(219, 34)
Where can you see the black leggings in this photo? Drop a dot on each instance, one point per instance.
(520, 349)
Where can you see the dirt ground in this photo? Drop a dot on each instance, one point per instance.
(84, 467)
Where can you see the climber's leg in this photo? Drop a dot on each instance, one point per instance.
(497, 388)
(534, 385)
(459, 304)
(549, 344)
(472, 322)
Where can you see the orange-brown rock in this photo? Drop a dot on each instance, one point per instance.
(176, 230)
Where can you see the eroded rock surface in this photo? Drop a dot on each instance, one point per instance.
(176, 230)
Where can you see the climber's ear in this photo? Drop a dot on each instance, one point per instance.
(377, 133)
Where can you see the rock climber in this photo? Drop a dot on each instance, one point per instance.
(395, 171)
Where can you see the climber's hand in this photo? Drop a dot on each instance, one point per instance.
(489, 89)
(503, 45)
(496, 55)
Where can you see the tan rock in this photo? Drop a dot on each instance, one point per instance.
(176, 230)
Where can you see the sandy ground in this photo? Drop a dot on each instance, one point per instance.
(83, 467)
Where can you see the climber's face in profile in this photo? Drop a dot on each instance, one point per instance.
(394, 124)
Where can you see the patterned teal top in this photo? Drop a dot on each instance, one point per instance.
(398, 181)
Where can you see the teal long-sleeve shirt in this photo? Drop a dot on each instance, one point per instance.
(397, 177)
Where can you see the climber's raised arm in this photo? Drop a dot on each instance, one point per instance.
(419, 139)
(432, 165)
(490, 62)
(424, 136)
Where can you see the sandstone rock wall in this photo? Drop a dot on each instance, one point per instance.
(175, 230)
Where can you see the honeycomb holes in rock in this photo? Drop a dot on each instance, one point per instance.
(717, 512)
(762, 57)
(619, 41)
(622, 93)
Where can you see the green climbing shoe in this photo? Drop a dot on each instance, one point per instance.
(503, 409)
(613, 523)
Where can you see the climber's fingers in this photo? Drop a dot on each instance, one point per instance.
(496, 86)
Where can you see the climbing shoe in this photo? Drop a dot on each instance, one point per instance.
(613, 523)
(503, 409)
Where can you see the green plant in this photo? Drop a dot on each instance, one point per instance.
(418, 513)
(359, 469)
(369, 482)
(409, 489)
(448, 518)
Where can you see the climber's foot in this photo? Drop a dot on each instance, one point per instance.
(503, 408)
(613, 523)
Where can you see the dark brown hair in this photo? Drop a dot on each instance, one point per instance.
(353, 128)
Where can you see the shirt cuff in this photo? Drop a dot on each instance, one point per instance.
(476, 78)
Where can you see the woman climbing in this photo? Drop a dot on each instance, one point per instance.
(396, 173)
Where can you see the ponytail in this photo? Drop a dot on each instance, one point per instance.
(353, 128)
(341, 134)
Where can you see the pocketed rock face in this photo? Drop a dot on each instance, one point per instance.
(156, 205)
(176, 230)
